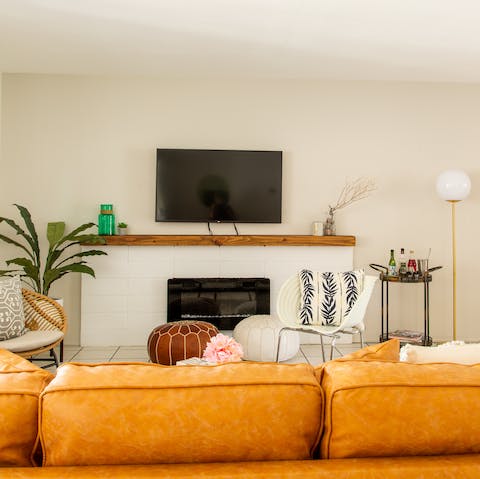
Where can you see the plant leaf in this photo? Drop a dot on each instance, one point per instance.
(30, 269)
(21, 274)
(86, 239)
(55, 232)
(53, 274)
(8, 240)
(22, 233)
(10, 272)
(33, 238)
(92, 239)
(72, 236)
(27, 265)
(53, 255)
(92, 252)
(49, 277)
(13, 225)
(58, 243)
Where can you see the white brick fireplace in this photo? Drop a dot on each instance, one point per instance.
(128, 298)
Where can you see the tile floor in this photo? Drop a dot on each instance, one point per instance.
(309, 353)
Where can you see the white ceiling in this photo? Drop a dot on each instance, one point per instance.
(413, 40)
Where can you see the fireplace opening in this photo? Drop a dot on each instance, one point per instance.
(224, 302)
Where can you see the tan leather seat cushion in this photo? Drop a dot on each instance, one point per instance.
(386, 351)
(20, 386)
(375, 408)
(148, 413)
(428, 467)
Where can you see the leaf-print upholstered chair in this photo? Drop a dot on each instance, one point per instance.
(288, 307)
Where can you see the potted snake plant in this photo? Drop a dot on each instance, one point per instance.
(58, 261)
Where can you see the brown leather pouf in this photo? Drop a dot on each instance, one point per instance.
(179, 340)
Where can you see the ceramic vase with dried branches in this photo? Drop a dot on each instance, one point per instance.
(352, 191)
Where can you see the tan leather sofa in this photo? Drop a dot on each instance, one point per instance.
(364, 416)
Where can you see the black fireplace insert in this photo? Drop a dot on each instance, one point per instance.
(224, 302)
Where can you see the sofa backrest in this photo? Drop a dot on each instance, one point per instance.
(20, 386)
(147, 413)
(381, 408)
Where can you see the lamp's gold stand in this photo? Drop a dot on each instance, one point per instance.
(454, 267)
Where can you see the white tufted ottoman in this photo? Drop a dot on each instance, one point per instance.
(258, 336)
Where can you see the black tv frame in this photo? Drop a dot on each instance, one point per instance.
(279, 221)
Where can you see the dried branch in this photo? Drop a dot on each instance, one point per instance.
(353, 191)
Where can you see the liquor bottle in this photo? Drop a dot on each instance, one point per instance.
(402, 270)
(412, 263)
(392, 264)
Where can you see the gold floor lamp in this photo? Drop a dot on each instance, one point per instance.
(453, 186)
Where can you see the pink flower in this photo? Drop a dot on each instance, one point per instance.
(222, 349)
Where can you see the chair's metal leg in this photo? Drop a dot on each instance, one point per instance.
(323, 347)
(61, 351)
(53, 353)
(332, 346)
(362, 342)
(278, 344)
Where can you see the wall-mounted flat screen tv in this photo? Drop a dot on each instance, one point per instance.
(219, 186)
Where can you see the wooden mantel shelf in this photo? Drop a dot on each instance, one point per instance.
(229, 240)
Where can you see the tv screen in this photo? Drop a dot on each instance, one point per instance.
(219, 186)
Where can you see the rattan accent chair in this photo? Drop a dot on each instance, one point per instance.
(47, 324)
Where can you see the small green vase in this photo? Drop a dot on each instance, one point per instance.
(106, 220)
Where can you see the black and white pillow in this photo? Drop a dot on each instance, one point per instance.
(308, 313)
(12, 319)
(327, 297)
(351, 284)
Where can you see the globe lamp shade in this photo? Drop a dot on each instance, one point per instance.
(453, 185)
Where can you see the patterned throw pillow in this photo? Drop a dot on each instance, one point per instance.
(308, 313)
(12, 320)
(327, 297)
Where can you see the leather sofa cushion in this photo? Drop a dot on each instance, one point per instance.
(435, 467)
(149, 414)
(386, 351)
(21, 383)
(375, 408)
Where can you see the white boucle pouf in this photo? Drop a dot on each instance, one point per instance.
(258, 336)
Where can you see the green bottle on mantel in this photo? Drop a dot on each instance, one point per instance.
(106, 220)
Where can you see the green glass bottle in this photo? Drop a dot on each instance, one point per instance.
(392, 264)
(106, 220)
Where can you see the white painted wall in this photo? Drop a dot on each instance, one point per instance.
(1, 92)
(70, 143)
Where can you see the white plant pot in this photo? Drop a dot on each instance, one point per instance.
(122, 231)
(59, 301)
